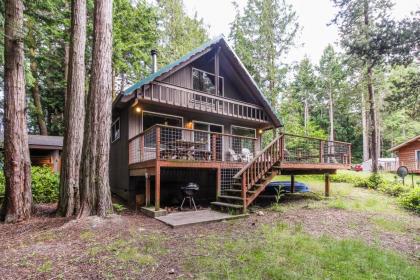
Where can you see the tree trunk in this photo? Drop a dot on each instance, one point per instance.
(331, 114)
(94, 179)
(17, 167)
(74, 114)
(36, 95)
(373, 121)
(306, 115)
(364, 130)
(66, 69)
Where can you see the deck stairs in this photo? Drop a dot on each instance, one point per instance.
(252, 179)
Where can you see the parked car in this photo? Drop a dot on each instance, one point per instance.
(358, 168)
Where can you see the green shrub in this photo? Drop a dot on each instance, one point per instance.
(45, 185)
(394, 189)
(411, 200)
(347, 178)
(374, 181)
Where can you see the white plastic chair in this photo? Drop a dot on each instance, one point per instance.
(234, 155)
(247, 155)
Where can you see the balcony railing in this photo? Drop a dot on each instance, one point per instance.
(308, 150)
(176, 143)
(196, 100)
(181, 144)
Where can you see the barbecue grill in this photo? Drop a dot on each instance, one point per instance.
(189, 191)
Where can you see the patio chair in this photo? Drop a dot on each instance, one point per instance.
(246, 155)
(234, 156)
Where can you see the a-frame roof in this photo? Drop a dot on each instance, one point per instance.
(198, 52)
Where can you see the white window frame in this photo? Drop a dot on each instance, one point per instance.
(244, 127)
(199, 70)
(112, 130)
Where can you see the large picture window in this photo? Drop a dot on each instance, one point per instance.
(239, 143)
(204, 81)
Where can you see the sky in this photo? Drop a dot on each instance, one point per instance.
(314, 15)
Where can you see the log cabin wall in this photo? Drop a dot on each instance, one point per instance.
(407, 155)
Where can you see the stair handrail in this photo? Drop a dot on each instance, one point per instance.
(249, 164)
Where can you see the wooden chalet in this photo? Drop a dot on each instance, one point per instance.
(201, 119)
(409, 154)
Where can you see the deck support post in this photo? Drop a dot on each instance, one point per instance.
(244, 190)
(292, 183)
(218, 183)
(147, 202)
(327, 185)
(157, 187)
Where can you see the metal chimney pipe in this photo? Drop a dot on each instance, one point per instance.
(154, 60)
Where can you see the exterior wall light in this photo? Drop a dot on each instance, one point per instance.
(138, 109)
(260, 131)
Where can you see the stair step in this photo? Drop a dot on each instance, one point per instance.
(229, 205)
(238, 191)
(230, 197)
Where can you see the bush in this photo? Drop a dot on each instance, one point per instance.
(374, 181)
(347, 178)
(394, 189)
(411, 200)
(45, 184)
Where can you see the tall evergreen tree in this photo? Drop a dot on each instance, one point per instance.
(262, 35)
(95, 193)
(17, 170)
(179, 33)
(74, 114)
(372, 37)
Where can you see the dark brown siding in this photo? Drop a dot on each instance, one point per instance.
(119, 177)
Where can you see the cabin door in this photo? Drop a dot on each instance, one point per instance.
(207, 137)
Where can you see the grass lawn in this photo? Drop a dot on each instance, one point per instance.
(354, 234)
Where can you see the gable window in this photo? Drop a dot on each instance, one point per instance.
(204, 81)
(115, 130)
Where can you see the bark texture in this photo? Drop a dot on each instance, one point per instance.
(17, 168)
(373, 122)
(94, 177)
(74, 114)
(364, 130)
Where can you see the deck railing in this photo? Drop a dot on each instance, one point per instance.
(175, 143)
(302, 149)
(196, 100)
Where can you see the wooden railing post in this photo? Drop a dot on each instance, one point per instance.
(213, 147)
(244, 190)
(157, 142)
(141, 156)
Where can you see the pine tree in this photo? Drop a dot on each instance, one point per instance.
(17, 170)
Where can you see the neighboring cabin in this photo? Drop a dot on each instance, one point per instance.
(44, 150)
(201, 119)
(409, 154)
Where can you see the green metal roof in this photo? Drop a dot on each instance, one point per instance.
(170, 66)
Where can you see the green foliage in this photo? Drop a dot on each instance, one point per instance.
(44, 185)
(411, 200)
(119, 208)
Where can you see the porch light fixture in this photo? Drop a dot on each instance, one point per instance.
(260, 131)
(189, 125)
(138, 109)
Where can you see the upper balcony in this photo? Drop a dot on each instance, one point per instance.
(177, 96)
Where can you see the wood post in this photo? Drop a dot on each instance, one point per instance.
(218, 183)
(327, 185)
(244, 192)
(213, 147)
(157, 187)
(157, 142)
(147, 198)
(321, 151)
(292, 183)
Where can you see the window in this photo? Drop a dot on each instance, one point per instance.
(203, 134)
(418, 159)
(238, 143)
(150, 119)
(115, 130)
(204, 81)
(166, 134)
